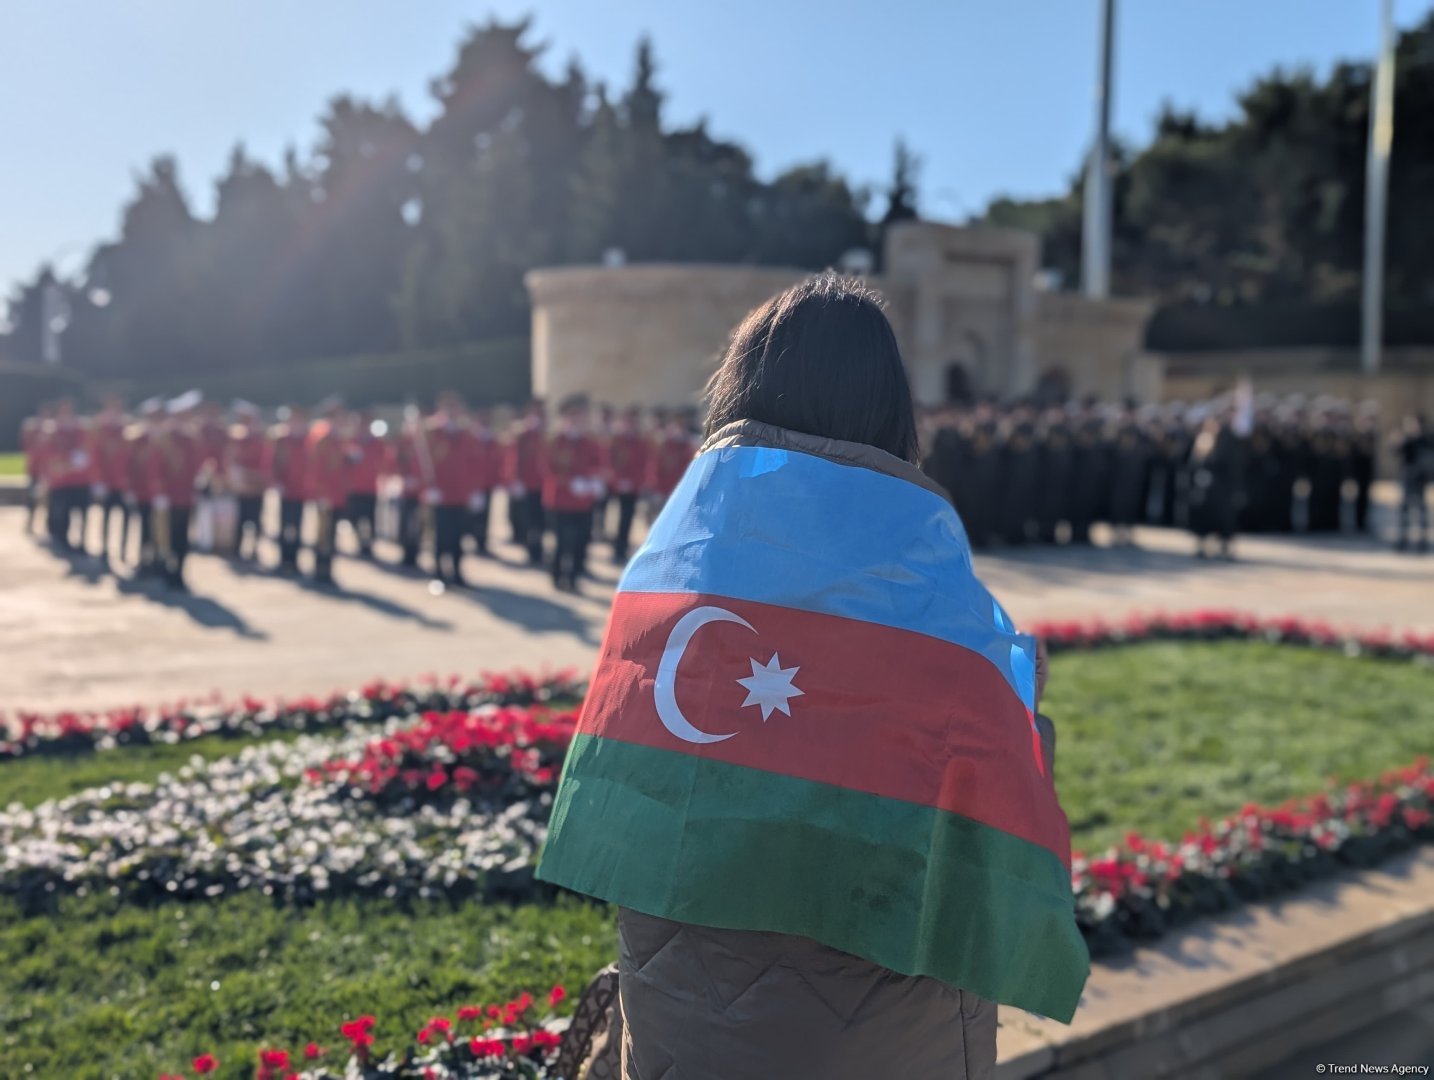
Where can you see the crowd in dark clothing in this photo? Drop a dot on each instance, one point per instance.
(1027, 475)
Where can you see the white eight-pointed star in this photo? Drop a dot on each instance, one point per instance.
(771, 686)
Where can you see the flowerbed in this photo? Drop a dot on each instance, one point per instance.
(478, 1042)
(30, 733)
(252, 822)
(1143, 888)
(1213, 625)
(496, 754)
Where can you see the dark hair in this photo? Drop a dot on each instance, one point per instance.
(820, 358)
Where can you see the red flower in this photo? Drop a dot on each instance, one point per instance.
(312, 1051)
(485, 1048)
(274, 1059)
(470, 1012)
(441, 1023)
(556, 996)
(423, 1036)
(206, 1063)
(521, 1044)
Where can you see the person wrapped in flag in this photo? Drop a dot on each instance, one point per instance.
(809, 770)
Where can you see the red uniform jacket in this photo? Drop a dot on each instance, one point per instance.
(107, 451)
(572, 458)
(327, 454)
(172, 464)
(669, 461)
(454, 452)
(287, 463)
(526, 451)
(67, 458)
(488, 461)
(139, 446)
(368, 460)
(212, 439)
(629, 457)
(244, 466)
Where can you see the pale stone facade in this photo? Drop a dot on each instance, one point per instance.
(963, 301)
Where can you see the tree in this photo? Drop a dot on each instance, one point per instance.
(1268, 206)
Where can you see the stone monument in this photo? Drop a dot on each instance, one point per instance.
(963, 301)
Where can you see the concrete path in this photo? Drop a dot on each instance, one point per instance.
(73, 635)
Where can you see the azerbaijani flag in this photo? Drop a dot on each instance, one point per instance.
(810, 717)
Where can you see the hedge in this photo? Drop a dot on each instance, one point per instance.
(1190, 327)
(485, 373)
(22, 388)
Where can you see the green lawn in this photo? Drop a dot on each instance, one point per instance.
(12, 464)
(103, 990)
(34, 779)
(1151, 737)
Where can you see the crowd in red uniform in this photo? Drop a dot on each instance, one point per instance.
(148, 484)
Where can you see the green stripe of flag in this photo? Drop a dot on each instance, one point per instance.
(912, 888)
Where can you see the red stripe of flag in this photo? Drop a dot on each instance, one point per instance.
(882, 710)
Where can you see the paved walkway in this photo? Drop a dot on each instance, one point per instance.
(74, 636)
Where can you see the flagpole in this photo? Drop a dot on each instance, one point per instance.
(1098, 196)
(1376, 194)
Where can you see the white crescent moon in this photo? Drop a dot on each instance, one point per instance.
(665, 686)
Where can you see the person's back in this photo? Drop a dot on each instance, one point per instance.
(834, 866)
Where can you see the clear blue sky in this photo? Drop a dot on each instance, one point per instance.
(996, 95)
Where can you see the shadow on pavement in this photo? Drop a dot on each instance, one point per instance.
(204, 610)
(537, 614)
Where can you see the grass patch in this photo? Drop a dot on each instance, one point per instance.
(32, 780)
(102, 990)
(12, 464)
(1153, 736)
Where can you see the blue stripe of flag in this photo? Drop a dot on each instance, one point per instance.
(794, 530)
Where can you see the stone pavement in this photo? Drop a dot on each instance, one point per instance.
(1340, 971)
(72, 635)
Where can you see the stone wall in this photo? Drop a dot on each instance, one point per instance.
(1097, 344)
(642, 335)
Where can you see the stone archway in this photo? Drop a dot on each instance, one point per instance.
(958, 385)
(1054, 386)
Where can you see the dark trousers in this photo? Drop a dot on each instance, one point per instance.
(251, 510)
(531, 522)
(1361, 502)
(1414, 515)
(291, 531)
(448, 542)
(178, 544)
(360, 512)
(145, 556)
(571, 529)
(478, 524)
(113, 503)
(65, 516)
(622, 539)
(410, 529)
(600, 516)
